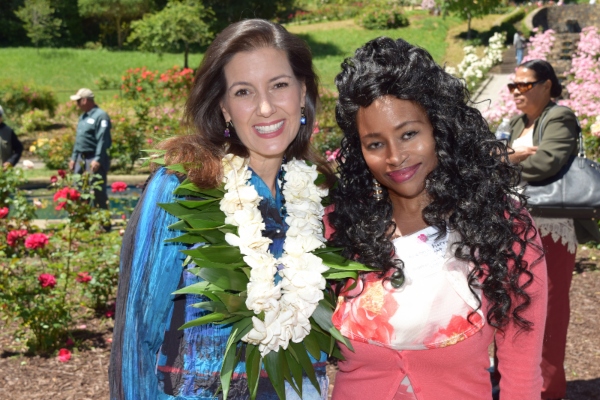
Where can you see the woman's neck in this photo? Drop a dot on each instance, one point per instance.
(267, 169)
(533, 115)
(408, 214)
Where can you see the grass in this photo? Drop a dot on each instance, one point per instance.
(66, 70)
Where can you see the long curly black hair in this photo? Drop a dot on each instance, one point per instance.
(472, 189)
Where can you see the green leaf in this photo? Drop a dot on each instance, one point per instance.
(188, 238)
(230, 320)
(202, 223)
(177, 168)
(323, 316)
(295, 369)
(218, 254)
(287, 373)
(199, 204)
(214, 306)
(196, 288)
(225, 279)
(312, 345)
(299, 352)
(233, 302)
(210, 264)
(253, 361)
(212, 317)
(332, 274)
(229, 362)
(273, 365)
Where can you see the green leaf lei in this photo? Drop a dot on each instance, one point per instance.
(225, 277)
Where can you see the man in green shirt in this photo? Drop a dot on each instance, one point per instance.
(92, 142)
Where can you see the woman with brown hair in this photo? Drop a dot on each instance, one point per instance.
(251, 108)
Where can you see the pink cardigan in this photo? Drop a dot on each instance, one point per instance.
(458, 371)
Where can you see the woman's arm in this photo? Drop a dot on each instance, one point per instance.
(150, 272)
(559, 139)
(519, 351)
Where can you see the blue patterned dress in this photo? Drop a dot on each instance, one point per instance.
(151, 358)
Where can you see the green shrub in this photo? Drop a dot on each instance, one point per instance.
(35, 120)
(55, 152)
(381, 17)
(17, 98)
(327, 135)
(515, 16)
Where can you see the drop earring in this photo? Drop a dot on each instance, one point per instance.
(377, 190)
(227, 132)
(302, 116)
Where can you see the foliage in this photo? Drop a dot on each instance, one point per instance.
(229, 11)
(327, 135)
(225, 274)
(17, 98)
(38, 20)
(11, 197)
(379, 17)
(55, 151)
(180, 24)
(329, 12)
(35, 120)
(120, 12)
(468, 9)
(46, 276)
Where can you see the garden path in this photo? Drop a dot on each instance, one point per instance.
(498, 77)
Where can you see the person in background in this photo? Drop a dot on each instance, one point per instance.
(92, 141)
(535, 85)
(10, 145)
(519, 42)
(425, 196)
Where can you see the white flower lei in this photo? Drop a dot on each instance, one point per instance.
(287, 305)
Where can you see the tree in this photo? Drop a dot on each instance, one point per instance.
(38, 20)
(179, 24)
(119, 12)
(229, 11)
(468, 9)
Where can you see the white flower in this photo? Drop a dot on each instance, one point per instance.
(27, 164)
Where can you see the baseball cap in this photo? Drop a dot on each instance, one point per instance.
(82, 93)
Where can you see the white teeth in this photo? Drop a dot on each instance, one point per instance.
(264, 129)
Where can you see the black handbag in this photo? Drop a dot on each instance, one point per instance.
(574, 192)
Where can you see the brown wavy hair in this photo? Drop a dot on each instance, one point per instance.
(202, 150)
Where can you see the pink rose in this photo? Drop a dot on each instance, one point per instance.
(118, 187)
(47, 280)
(14, 236)
(53, 179)
(36, 241)
(3, 212)
(65, 194)
(83, 277)
(64, 355)
(62, 173)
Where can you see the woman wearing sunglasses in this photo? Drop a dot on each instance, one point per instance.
(535, 85)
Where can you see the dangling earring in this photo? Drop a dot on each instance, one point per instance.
(302, 116)
(228, 125)
(377, 190)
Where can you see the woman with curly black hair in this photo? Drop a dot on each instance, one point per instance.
(427, 198)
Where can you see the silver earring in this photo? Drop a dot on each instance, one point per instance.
(377, 190)
(302, 116)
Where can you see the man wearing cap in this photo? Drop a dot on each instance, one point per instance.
(10, 145)
(92, 142)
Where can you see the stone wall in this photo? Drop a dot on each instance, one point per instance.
(568, 18)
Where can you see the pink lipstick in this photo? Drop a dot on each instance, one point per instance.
(404, 174)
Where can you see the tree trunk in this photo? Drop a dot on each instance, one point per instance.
(469, 26)
(185, 56)
(119, 32)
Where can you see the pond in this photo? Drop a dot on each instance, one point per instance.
(120, 203)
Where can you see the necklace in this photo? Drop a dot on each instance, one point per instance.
(287, 305)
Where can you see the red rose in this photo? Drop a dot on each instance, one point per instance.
(65, 194)
(118, 187)
(53, 179)
(3, 212)
(64, 355)
(47, 280)
(36, 241)
(14, 236)
(83, 277)
(62, 173)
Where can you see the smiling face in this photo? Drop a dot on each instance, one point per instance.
(535, 98)
(398, 146)
(263, 100)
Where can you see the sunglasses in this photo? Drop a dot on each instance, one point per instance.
(523, 87)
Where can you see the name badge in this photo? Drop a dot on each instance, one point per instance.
(90, 120)
(104, 123)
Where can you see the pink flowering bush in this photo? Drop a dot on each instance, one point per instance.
(505, 107)
(36, 241)
(47, 280)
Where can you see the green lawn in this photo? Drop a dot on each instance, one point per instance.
(66, 70)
